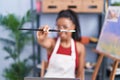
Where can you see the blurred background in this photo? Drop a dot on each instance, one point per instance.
(20, 54)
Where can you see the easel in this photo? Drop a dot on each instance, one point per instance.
(99, 61)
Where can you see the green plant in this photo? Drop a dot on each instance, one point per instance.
(14, 46)
(116, 4)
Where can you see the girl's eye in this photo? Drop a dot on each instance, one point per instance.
(62, 27)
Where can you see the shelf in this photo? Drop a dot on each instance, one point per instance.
(89, 71)
(117, 70)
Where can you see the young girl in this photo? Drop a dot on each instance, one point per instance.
(66, 55)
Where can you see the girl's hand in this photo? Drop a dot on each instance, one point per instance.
(43, 39)
(41, 35)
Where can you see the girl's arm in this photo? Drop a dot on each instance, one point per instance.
(80, 70)
(43, 39)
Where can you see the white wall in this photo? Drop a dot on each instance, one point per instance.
(112, 1)
(18, 7)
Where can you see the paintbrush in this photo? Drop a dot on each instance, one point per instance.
(50, 30)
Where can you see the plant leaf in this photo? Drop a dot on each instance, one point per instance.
(7, 57)
(7, 41)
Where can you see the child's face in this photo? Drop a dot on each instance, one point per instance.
(65, 24)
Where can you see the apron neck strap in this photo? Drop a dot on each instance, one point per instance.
(72, 47)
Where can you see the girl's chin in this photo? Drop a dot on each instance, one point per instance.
(63, 38)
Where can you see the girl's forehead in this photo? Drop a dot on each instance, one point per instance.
(63, 18)
(63, 21)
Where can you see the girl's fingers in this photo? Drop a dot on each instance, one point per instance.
(43, 33)
(46, 28)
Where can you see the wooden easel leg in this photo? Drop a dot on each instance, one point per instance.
(115, 66)
(99, 61)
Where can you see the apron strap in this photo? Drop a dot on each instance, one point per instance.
(73, 52)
